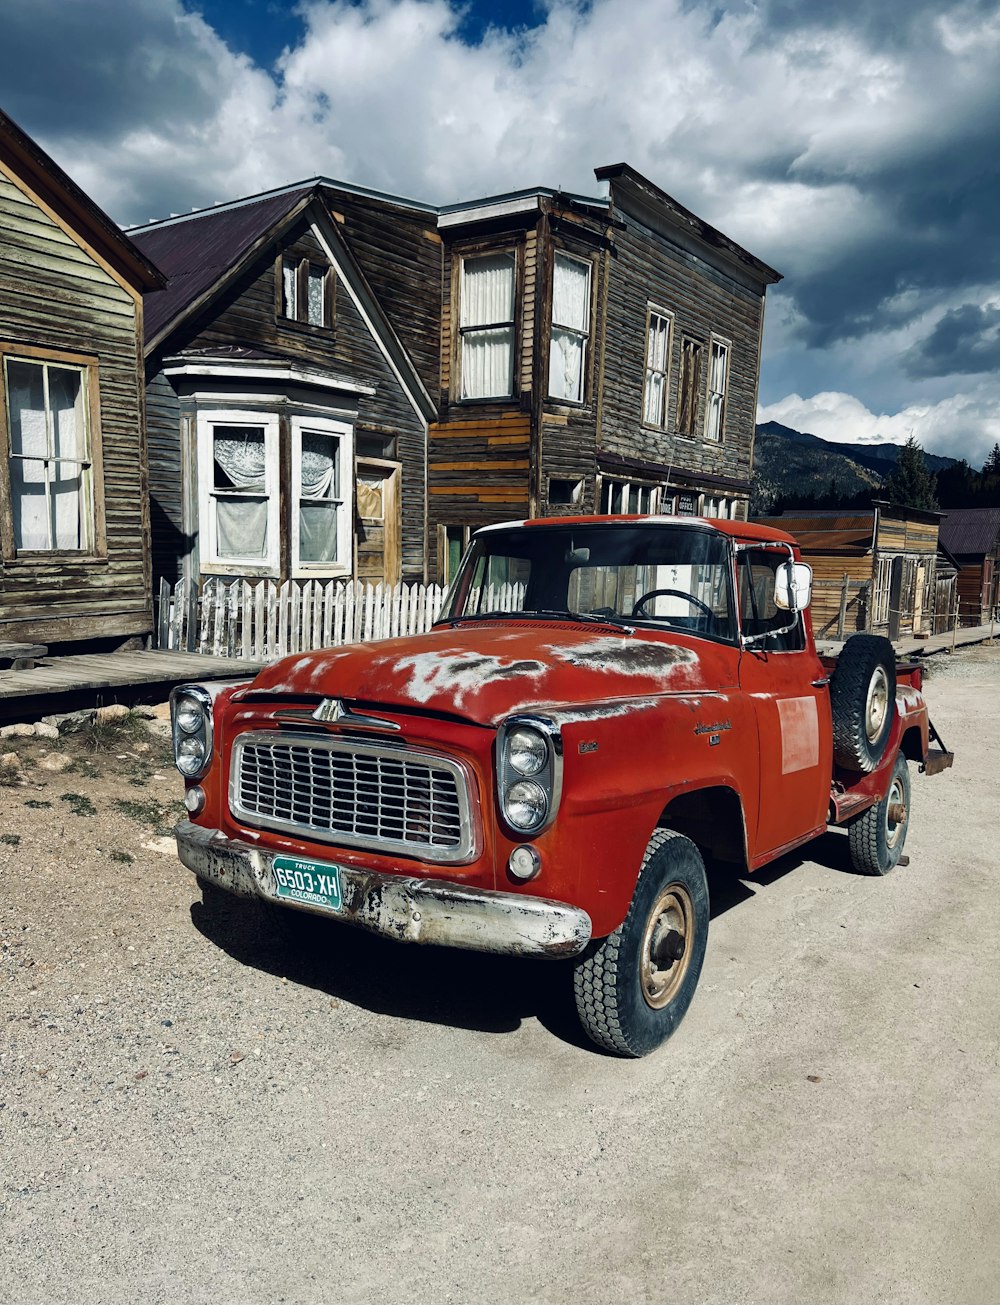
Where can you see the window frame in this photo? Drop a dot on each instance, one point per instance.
(460, 331)
(93, 507)
(726, 346)
(302, 267)
(584, 334)
(344, 432)
(689, 388)
(664, 314)
(630, 489)
(208, 534)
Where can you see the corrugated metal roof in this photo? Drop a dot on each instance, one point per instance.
(195, 252)
(966, 531)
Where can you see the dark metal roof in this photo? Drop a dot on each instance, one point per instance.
(967, 531)
(75, 206)
(827, 534)
(197, 251)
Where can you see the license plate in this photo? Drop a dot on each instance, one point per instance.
(311, 882)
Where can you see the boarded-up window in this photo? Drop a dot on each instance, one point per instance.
(654, 398)
(690, 380)
(718, 384)
(570, 327)
(486, 326)
(50, 458)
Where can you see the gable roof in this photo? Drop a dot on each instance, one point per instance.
(966, 531)
(197, 251)
(26, 160)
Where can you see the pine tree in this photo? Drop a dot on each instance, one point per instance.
(991, 467)
(911, 484)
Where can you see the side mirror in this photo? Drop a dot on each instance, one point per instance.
(793, 586)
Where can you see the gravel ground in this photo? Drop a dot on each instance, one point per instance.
(195, 1109)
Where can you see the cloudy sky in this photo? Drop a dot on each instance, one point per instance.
(852, 144)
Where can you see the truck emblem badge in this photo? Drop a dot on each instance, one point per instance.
(329, 710)
(715, 728)
(588, 747)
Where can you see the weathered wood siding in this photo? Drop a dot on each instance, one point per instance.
(829, 570)
(646, 270)
(170, 544)
(896, 536)
(55, 295)
(247, 314)
(400, 253)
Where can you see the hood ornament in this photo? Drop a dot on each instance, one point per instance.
(332, 711)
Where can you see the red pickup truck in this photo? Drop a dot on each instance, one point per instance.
(603, 703)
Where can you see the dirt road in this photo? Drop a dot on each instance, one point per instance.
(192, 1110)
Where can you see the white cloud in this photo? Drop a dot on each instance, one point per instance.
(964, 425)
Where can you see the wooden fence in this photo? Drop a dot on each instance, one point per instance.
(263, 620)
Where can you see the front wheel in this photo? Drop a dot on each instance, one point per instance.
(876, 838)
(633, 989)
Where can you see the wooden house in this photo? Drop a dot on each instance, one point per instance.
(74, 523)
(882, 570)
(972, 536)
(287, 417)
(597, 355)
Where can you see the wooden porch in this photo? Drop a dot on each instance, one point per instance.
(58, 684)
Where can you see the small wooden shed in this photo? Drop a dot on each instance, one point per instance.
(74, 516)
(972, 536)
(876, 570)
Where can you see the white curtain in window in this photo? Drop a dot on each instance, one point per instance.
(570, 320)
(317, 280)
(487, 301)
(318, 491)
(46, 491)
(655, 397)
(717, 390)
(566, 354)
(241, 522)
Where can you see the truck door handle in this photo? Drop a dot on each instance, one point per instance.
(819, 684)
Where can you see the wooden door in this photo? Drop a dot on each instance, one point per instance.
(377, 521)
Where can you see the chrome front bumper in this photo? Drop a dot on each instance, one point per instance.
(408, 909)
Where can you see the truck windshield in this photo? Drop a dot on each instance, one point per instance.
(662, 575)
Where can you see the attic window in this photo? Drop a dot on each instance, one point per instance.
(306, 292)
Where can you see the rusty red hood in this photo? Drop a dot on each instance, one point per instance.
(486, 671)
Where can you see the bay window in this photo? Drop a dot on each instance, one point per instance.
(320, 498)
(486, 326)
(570, 327)
(49, 453)
(237, 459)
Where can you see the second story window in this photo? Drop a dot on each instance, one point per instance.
(486, 326)
(718, 382)
(687, 403)
(654, 397)
(570, 327)
(306, 292)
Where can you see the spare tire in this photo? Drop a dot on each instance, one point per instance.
(863, 701)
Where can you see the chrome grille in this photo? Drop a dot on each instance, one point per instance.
(357, 794)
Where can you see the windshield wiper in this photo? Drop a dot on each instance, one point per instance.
(543, 613)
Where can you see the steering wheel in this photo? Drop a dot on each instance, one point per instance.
(673, 593)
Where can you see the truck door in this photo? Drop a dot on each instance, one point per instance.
(786, 682)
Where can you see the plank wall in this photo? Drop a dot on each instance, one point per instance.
(648, 270)
(55, 295)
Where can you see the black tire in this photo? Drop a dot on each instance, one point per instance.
(863, 701)
(627, 1002)
(876, 838)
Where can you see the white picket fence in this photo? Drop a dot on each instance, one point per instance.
(263, 620)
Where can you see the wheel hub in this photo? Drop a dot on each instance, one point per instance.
(666, 946)
(877, 704)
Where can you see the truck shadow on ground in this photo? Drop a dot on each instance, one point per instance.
(470, 990)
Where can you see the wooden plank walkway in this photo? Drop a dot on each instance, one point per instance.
(908, 647)
(89, 672)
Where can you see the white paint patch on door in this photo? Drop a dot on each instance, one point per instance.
(799, 720)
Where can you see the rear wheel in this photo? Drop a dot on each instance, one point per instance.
(876, 838)
(633, 989)
(863, 701)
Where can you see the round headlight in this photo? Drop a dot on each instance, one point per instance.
(525, 804)
(190, 756)
(527, 751)
(189, 716)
